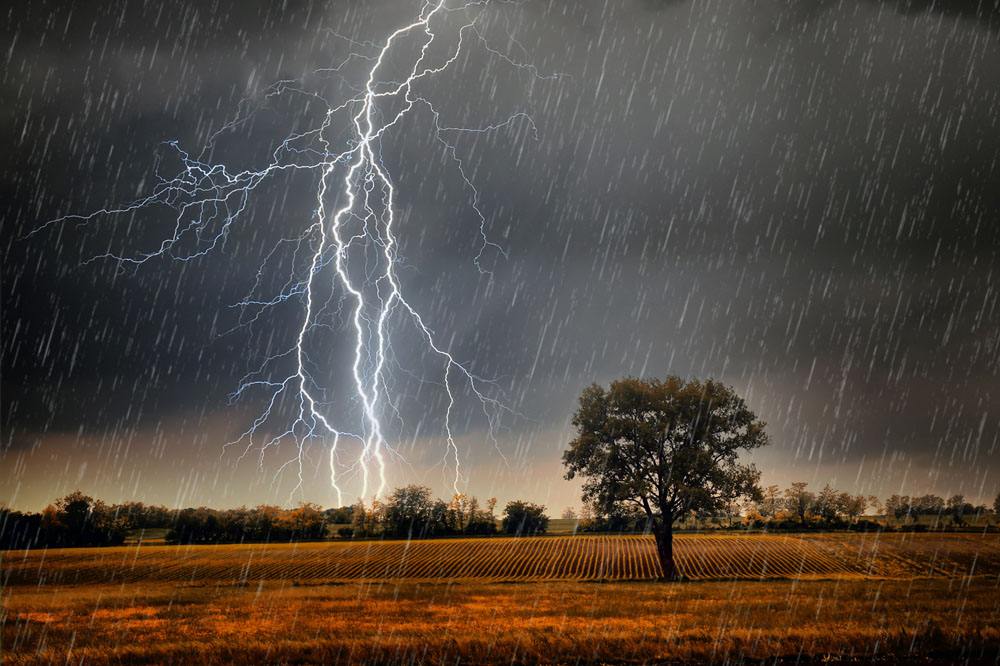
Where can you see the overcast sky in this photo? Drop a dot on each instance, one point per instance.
(800, 199)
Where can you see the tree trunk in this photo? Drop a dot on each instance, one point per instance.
(664, 534)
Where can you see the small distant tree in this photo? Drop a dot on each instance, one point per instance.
(441, 519)
(263, 523)
(874, 504)
(751, 513)
(340, 516)
(460, 511)
(363, 521)
(480, 521)
(20, 530)
(771, 502)
(828, 503)
(664, 447)
(619, 518)
(80, 520)
(524, 519)
(799, 501)
(75, 513)
(484, 521)
(898, 506)
(491, 507)
(408, 511)
(958, 508)
(852, 506)
(569, 513)
(306, 521)
(731, 510)
(996, 506)
(955, 505)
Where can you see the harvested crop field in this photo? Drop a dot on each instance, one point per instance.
(892, 598)
(929, 621)
(699, 557)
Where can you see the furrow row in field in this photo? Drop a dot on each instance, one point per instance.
(586, 557)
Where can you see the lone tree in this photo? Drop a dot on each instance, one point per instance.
(665, 447)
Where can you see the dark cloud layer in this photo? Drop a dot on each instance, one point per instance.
(799, 198)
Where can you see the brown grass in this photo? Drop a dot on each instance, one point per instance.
(288, 610)
(519, 623)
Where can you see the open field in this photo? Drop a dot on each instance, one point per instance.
(947, 620)
(780, 598)
(699, 557)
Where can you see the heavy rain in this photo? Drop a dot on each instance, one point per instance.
(342, 311)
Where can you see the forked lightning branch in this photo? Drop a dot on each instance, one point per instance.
(351, 244)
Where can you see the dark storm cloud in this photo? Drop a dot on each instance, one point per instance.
(798, 197)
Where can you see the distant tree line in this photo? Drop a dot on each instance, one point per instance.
(955, 509)
(408, 512)
(413, 512)
(797, 507)
(74, 520)
(80, 520)
(261, 523)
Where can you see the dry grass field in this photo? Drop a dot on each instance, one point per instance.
(893, 598)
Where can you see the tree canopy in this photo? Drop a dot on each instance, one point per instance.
(666, 447)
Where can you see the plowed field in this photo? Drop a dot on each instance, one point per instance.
(699, 557)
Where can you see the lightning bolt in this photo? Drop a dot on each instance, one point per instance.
(351, 248)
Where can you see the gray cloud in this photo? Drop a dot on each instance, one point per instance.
(797, 197)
